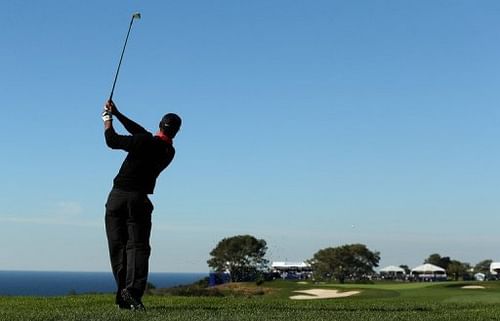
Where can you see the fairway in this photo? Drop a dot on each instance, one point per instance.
(414, 301)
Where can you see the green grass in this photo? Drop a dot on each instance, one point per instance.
(384, 301)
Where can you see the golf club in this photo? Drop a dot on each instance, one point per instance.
(136, 15)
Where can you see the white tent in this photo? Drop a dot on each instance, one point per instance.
(392, 269)
(292, 270)
(480, 277)
(429, 271)
(290, 265)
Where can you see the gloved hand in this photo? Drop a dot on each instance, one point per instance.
(111, 107)
(106, 115)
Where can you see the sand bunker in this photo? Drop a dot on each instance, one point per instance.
(473, 287)
(322, 294)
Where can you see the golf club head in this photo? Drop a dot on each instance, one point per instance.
(136, 15)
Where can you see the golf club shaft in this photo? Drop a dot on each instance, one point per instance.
(121, 58)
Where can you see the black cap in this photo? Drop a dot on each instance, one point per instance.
(170, 124)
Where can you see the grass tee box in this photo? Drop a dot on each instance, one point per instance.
(385, 301)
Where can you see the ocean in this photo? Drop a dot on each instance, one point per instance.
(22, 283)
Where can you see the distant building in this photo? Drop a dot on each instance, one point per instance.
(292, 270)
(495, 268)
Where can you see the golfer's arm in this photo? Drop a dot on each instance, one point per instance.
(124, 142)
(115, 141)
(108, 124)
(130, 125)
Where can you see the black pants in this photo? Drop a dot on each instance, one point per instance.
(128, 228)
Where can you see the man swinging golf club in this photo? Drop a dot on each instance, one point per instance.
(128, 208)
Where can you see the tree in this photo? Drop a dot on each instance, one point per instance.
(241, 255)
(348, 261)
(438, 260)
(483, 266)
(406, 268)
(457, 269)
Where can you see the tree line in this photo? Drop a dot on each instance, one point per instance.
(243, 256)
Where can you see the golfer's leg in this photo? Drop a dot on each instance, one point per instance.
(116, 232)
(138, 247)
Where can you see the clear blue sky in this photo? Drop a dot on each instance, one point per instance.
(307, 123)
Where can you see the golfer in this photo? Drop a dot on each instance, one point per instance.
(128, 208)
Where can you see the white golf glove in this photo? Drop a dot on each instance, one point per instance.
(106, 115)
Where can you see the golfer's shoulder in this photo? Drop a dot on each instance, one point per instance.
(167, 149)
(142, 140)
(166, 146)
(145, 136)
